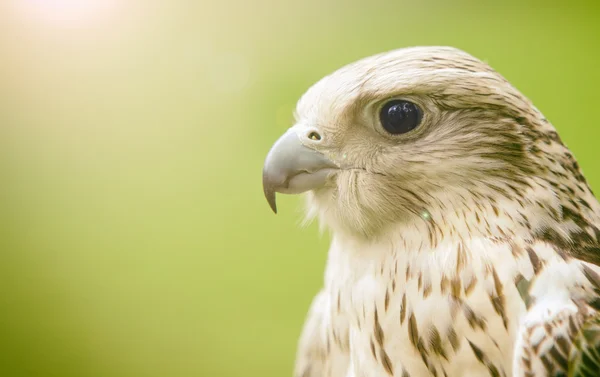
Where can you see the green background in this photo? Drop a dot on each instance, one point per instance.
(134, 236)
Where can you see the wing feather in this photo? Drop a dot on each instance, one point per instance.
(584, 360)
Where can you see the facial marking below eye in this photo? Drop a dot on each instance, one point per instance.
(399, 117)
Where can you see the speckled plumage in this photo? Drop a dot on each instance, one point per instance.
(469, 247)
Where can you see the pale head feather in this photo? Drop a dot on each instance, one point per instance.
(483, 154)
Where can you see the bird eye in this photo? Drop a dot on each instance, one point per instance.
(399, 117)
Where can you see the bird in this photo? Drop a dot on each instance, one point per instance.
(465, 240)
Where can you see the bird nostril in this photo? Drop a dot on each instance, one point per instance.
(313, 135)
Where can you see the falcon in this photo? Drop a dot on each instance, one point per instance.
(465, 239)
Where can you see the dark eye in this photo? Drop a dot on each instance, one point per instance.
(399, 117)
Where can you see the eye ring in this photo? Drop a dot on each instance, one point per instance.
(400, 116)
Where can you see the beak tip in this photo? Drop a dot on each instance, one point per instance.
(269, 192)
(270, 195)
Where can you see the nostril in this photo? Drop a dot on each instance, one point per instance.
(314, 135)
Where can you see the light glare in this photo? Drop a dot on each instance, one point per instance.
(65, 11)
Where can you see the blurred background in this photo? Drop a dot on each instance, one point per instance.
(134, 236)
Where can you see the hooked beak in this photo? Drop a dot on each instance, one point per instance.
(293, 168)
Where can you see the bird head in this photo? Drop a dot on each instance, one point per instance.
(426, 136)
